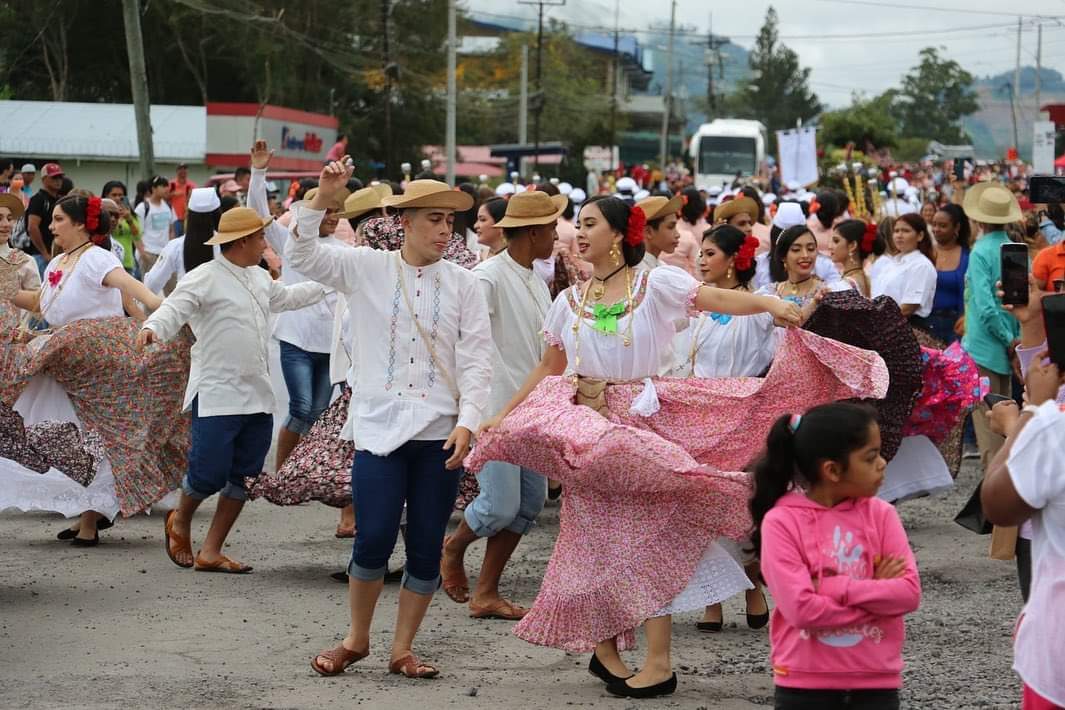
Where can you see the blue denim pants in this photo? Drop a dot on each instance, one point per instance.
(307, 380)
(226, 449)
(510, 499)
(413, 474)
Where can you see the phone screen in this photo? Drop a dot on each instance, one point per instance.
(1054, 320)
(1015, 274)
(1046, 189)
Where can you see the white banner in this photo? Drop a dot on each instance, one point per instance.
(1043, 148)
(798, 155)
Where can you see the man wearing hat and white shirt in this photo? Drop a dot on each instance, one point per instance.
(227, 303)
(422, 387)
(305, 335)
(741, 212)
(790, 214)
(511, 497)
(660, 233)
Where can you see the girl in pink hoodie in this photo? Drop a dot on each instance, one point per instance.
(836, 560)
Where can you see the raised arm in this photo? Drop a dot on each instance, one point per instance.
(294, 297)
(175, 311)
(276, 235)
(131, 287)
(738, 303)
(161, 271)
(337, 267)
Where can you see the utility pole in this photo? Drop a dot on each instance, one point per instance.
(386, 10)
(1038, 70)
(138, 79)
(1016, 88)
(615, 68)
(452, 91)
(523, 104)
(538, 109)
(663, 141)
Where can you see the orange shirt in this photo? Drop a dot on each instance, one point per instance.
(1049, 265)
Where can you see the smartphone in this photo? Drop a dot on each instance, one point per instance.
(1046, 189)
(1054, 321)
(1015, 274)
(1059, 285)
(991, 399)
(959, 167)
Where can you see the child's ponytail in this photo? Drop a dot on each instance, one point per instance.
(773, 474)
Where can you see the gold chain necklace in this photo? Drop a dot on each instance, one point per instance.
(626, 338)
(794, 287)
(600, 288)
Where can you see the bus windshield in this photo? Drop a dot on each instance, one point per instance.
(726, 155)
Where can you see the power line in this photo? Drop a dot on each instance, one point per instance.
(935, 8)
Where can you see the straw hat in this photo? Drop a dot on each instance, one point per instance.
(658, 207)
(531, 208)
(337, 203)
(362, 201)
(739, 205)
(383, 189)
(13, 203)
(429, 193)
(237, 223)
(991, 203)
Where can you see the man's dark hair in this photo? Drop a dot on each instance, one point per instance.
(241, 172)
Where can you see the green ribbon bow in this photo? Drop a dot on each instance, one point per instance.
(606, 317)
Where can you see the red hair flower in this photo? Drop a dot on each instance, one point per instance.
(92, 215)
(869, 238)
(814, 206)
(745, 256)
(634, 230)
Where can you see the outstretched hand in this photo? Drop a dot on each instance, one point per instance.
(261, 155)
(333, 178)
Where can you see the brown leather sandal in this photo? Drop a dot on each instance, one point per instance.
(411, 667)
(456, 586)
(499, 609)
(183, 545)
(222, 564)
(340, 658)
(343, 533)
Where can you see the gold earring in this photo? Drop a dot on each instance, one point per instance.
(615, 254)
(730, 273)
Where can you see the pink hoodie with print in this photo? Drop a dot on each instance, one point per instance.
(833, 626)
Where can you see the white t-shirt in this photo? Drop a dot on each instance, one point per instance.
(1038, 473)
(79, 293)
(156, 220)
(910, 279)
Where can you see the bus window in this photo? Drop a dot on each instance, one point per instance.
(727, 155)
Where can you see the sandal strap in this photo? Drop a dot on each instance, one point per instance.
(409, 664)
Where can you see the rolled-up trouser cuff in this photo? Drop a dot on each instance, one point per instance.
(365, 574)
(234, 492)
(296, 426)
(425, 587)
(191, 492)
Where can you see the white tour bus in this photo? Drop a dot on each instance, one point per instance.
(724, 147)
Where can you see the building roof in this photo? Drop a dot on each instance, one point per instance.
(73, 131)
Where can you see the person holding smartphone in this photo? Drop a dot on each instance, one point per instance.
(989, 331)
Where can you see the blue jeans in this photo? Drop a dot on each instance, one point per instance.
(225, 449)
(42, 264)
(307, 380)
(413, 474)
(179, 227)
(510, 499)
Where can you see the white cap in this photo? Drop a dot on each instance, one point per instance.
(768, 198)
(789, 214)
(641, 195)
(28, 168)
(898, 185)
(565, 188)
(577, 196)
(519, 188)
(554, 181)
(483, 178)
(204, 199)
(626, 184)
(505, 188)
(714, 190)
(793, 186)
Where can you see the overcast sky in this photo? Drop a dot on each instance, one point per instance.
(979, 34)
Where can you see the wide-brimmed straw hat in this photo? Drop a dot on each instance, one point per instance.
(362, 201)
(531, 208)
(13, 203)
(659, 206)
(727, 210)
(991, 203)
(238, 223)
(429, 193)
(337, 203)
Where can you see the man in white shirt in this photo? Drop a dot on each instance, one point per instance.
(511, 497)
(305, 335)
(423, 343)
(1026, 481)
(227, 303)
(660, 234)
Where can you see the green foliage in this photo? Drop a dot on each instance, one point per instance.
(778, 92)
(867, 123)
(936, 94)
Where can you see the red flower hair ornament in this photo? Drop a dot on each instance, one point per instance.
(92, 215)
(869, 238)
(635, 227)
(744, 259)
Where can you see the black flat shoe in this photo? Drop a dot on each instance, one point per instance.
(341, 576)
(758, 621)
(68, 534)
(596, 668)
(554, 493)
(711, 627)
(80, 542)
(624, 690)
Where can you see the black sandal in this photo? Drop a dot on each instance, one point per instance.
(82, 542)
(68, 534)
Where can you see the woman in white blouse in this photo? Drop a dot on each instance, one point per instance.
(908, 276)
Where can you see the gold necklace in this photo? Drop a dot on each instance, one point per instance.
(600, 288)
(626, 338)
(794, 287)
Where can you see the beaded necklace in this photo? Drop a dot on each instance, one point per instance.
(626, 338)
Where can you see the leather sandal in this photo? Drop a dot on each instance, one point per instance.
(409, 666)
(499, 609)
(222, 564)
(343, 533)
(456, 586)
(182, 543)
(340, 658)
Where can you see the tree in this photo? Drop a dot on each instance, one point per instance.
(777, 93)
(935, 96)
(867, 123)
